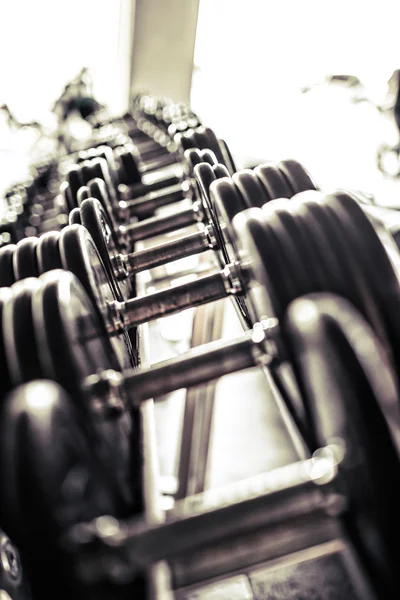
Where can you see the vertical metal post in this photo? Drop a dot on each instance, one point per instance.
(163, 47)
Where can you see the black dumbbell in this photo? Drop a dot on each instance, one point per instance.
(58, 466)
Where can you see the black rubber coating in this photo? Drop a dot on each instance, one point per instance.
(273, 181)
(48, 252)
(7, 276)
(24, 259)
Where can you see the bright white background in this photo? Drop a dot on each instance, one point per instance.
(45, 43)
(253, 56)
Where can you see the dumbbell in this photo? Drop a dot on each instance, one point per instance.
(68, 476)
(13, 581)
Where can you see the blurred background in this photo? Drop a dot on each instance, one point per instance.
(258, 72)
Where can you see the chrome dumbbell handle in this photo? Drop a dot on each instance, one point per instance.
(128, 264)
(269, 504)
(198, 366)
(158, 225)
(153, 200)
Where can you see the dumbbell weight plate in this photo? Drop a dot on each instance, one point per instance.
(250, 188)
(99, 169)
(74, 217)
(72, 345)
(7, 276)
(227, 202)
(66, 193)
(374, 262)
(82, 194)
(52, 477)
(79, 255)
(129, 172)
(5, 378)
(94, 218)
(72, 340)
(18, 332)
(297, 176)
(337, 258)
(273, 181)
(254, 248)
(362, 408)
(75, 182)
(285, 254)
(205, 174)
(24, 259)
(98, 189)
(48, 252)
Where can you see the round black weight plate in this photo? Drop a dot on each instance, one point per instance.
(83, 193)
(252, 248)
(18, 333)
(99, 169)
(332, 277)
(374, 263)
(51, 477)
(75, 181)
(129, 158)
(192, 157)
(85, 174)
(48, 252)
(208, 156)
(212, 143)
(7, 276)
(352, 399)
(107, 154)
(79, 255)
(5, 378)
(285, 232)
(205, 174)
(24, 258)
(65, 191)
(185, 141)
(337, 257)
(72, 340)
(73, 344)
(227, 202)
(74, 217)
(250, 188)
(297, 176)
(273, 181)
(98, 190)
(228, 158)
(13, 583)
(94, 218)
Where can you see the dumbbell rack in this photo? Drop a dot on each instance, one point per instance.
(291, 514)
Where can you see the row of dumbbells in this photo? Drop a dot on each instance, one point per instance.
(34, 205)
(276, 238)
